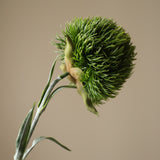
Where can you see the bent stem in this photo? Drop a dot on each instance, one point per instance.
(44, 103)
(29, 125)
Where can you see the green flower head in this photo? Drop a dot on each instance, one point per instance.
(99, 56)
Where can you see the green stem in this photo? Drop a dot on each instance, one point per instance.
(43, 104)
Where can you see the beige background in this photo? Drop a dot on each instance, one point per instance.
(128, 127)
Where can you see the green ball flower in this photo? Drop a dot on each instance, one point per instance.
(99, 56)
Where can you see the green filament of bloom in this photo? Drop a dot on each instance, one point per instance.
(104, 53)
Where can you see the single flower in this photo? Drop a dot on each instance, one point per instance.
(99, 56)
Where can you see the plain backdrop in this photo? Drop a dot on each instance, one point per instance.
(129, 125)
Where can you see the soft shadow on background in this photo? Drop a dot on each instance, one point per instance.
(128, 127)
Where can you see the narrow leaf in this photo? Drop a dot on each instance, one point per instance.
(21, 141)
(56, 90)
(49, 80)
(36, 141)
(52, 69)
(60, 87)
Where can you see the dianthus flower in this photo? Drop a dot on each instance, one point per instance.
(99, 55)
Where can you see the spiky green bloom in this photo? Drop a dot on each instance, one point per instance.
(103, 51)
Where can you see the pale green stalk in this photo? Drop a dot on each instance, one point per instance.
(43, 104)
(29, 125)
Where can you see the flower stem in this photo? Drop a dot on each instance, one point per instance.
(43, 105)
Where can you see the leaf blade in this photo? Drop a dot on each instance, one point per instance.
(49, 80)
(36, 141)
(55, 91)
(21, 141)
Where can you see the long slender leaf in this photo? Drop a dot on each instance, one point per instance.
(36, 141)
(56, 90)
(60, 87)
(52, 69)
(22, 137)
(49, 80)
